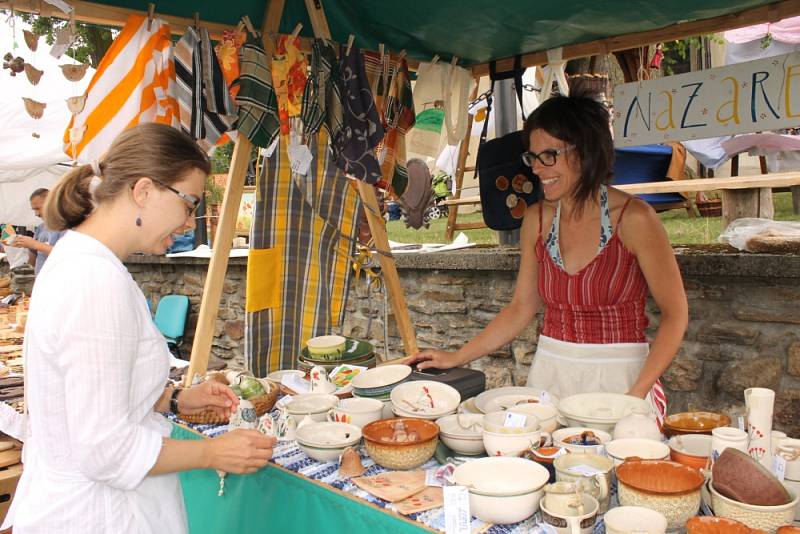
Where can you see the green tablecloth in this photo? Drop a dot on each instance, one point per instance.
(276, 500)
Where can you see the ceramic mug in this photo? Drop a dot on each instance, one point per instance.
(572, 521)
(776, 436)
(564, 498)
(789, 450)
(356, 411)
(634, 520)
(569, 467)
(724, 437)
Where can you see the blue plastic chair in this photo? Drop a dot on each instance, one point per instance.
(171, 315)
(646, 164)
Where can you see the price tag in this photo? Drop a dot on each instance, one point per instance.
(545, 398)
(779, 466)
(456, 510)
(601, 449)
(296, 384)
(741, 422)
(440, 477)
(585, 470)
(283, 401)
(301, 158)
(514, 420)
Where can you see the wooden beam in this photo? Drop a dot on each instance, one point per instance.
(769, 13)
(377, 225)
(217, 267)
(756, 181)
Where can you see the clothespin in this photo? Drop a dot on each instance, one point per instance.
(381, 51)
(239, 27)
(454, 61)
(296, 31)
(196, 17)
(350, 40)
(151, 9)
(435, 59)
(401, 55)
(249, 26)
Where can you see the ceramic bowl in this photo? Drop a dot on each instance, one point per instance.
(277, 376)
(545, 412)
(495, 422)
(716, 525)
(376, 381)
(425, 398)
(740, 478)
(315, 405)
(502, 490)
(498, 444)
(634, 520)
(463, 433)
(357, 411)
(326, 347)
(325, 442)
(396, 412)
(694, 423)
(644, 449)
(690, 449)
(788, 530)
(599, 410)
(581, 439)
(403, 455)
(768, 518)
(498, 399)
(667, 487)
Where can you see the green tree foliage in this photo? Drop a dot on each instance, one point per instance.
(92, 43)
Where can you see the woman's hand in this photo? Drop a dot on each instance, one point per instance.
(239, 451)
(208, 395)
(434, 359)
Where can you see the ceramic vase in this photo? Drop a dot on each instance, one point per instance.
(760, 403)
(639, 424)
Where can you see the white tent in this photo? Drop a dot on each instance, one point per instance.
(27, 162)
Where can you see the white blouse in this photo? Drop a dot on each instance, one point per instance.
(95, 366)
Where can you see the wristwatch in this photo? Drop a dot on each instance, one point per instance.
(173, 400)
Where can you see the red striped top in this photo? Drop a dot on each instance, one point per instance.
(602, 303)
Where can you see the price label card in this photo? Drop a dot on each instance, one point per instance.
(545, 398)
(296, 384)
(301, 158)
(779, 467)
(741, 422)
(585, 470)
(601, 449)
(456, 510)
(514, 420)
(283, 401)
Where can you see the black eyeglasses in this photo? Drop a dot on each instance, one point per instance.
(547, 157)
(192, 201)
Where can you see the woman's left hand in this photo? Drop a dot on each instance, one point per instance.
(636, 392)
(208, 395)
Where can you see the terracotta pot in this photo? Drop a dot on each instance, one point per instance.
(717, 525)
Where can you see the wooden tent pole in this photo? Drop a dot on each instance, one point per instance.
(377, 225)
(463, 154)
(217, 267)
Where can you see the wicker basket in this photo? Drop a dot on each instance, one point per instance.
(710, 208)
(262, 404)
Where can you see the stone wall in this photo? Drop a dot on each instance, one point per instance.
(744, 328)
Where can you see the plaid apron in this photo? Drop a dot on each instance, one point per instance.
(258, 107)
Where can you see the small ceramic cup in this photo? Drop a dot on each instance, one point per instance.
(724, 437)
(576, 520)
(634, 520)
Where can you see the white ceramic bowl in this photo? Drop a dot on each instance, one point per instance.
(425, 398)
(463, 433)
(768, 518)
(502, 490)
(326, 346)
(357, 411)
(325, 442)
(277, 376)
(634, 519)
(561, 436)
(382, 376)
(315, 405)
(497, 444)
(498, 399)
(646, 449)
(495, 422)
(433, 417)
(545, 412)
(599, 410)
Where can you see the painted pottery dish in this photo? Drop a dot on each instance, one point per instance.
(694, 423)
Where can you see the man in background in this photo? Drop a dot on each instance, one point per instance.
(43, 240)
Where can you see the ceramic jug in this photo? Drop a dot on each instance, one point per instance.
(760, 403)
(789, 450)
(724, 437)
(320, 383)
(640, 423)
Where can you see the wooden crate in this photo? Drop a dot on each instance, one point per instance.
(9, 478)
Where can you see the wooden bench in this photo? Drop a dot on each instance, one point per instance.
(742, 196)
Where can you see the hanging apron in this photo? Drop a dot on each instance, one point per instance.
(563, 368)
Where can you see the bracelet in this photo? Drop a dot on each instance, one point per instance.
(173, 400)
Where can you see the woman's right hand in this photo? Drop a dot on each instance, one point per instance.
(240, 451)
(434, 359)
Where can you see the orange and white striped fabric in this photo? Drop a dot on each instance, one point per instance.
(133, 84)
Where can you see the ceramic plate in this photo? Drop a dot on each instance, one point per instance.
(499, 399)
(276, 376)
(355, 349)
(600, 407)
(328, 434)
(425, 398)
(382, 376)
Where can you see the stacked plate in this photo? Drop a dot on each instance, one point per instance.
(356, 352)
(599, 410)
(505, 398)
(424, 399)
(379, 382)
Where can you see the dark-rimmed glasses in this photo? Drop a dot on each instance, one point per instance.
(547, 157)
(192, 201)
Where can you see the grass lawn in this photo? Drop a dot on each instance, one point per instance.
(681, 229)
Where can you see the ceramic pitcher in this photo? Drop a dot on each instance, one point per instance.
(724, 437)
(760, 403)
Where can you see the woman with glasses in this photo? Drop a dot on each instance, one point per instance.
(590, 255)
(97, 454)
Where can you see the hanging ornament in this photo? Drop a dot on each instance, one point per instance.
(14, 64)
(655, 62)
(35, 109)
(31, 39)
(33, 74)
(76, 103)
(65, 37)
(74, 73)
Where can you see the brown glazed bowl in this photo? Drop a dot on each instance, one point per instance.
(740, 478)
(718, 525)
(403, 455)
(694, 423)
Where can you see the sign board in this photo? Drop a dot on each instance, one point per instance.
(746, 97)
